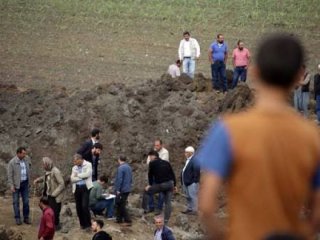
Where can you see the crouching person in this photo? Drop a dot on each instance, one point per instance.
(99, 201)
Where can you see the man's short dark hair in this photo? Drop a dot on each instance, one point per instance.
(153, 153)
(158, 140)
(21, 149)
(95, 132)
(279, 58)
(283, 237)
(103, 178)
(98, 145)
(239, 41)
(122, 158)
(178, 61)
(186, 33)
(99, 222)
(219, 35)
(44, 200)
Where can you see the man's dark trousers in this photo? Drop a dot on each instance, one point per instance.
(56, 207)
(81, 196)
(166, 188)
(219, 79)
(122, 212)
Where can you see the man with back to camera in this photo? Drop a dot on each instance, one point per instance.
(189, 52)
(269, 154)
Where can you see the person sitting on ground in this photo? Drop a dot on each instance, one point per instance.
(99, 234)
(162, 232)
(161, 179)
(98, 201)
(174, 69)
(46, 229)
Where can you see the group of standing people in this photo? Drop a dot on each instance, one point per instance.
(189, 53)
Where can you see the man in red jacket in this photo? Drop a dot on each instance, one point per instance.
(46, 229)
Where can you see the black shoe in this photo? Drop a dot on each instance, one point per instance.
(27, 221)
(188, 211)
(18, 221)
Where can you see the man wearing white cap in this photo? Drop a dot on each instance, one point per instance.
(190, 177)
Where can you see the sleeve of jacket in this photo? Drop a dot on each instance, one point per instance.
(197, 48)
(86, 172)
(73, 178)
(169, 234)
(195, 171)
(150, 173)
(49, 226)
(59, 178)
(172, 175)
(180, 50)
(119, 179)
(83, 150)
(10, 174)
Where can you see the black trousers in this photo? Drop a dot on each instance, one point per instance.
(81, 196)
(56, 207)
(122, 212)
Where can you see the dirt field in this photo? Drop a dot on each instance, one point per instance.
(77, 44)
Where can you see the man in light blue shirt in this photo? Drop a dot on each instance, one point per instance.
(218, 55)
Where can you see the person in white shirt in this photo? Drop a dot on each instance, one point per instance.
(163, 153)
(189, 51)
(174, 69)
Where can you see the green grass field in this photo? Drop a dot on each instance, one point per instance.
(105, 40)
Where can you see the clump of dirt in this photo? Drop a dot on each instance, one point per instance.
(54, 123)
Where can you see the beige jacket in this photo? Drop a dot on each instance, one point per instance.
(55, 184)
(14, 171)
(85, 175)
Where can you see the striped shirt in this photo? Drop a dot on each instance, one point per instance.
(23, 169)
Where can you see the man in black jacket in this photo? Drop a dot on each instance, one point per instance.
(96, 227)
(91, 150)
(190, 177)
(161, 179)
(317, 92)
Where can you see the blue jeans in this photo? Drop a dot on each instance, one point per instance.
(192, 196)
(297, 99)
(318, 107)
(305, 103)
(239, 72)
(160, 201)
(24, 192)
(189, 66)
(219, 79)
(102, 204)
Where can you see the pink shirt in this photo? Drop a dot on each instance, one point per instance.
(241, 58)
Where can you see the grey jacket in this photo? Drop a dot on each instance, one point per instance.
(55, 184)
(14, 171)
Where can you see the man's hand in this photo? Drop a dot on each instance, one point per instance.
(175, 189)
(118, 193)
(41, 238)
(35, 181)
(147, 188)
(12, 189)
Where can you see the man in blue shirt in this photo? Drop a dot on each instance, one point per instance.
(123, 185)
(218, 55)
